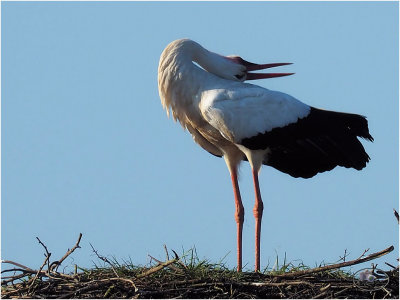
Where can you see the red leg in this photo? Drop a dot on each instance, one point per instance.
(257, 210)
(239, 217)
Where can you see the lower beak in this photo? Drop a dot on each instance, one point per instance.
(254, 76)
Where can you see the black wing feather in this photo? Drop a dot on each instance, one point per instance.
(316, 143)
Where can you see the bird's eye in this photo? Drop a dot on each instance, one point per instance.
(240, 76)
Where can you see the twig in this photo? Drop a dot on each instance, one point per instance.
(96, 284)
(391, 265)
(178, 260)
(121, 279)
(276, 284)
(160, 262)
(157, 268)
(44, 246)
(176, 255)
(38, 272)
(339, 265)
(321, 295)
(362, 255)
(344, 256)
(16, 264)
(153, 258)
(166, 251)
(104, 259)
(13, 270)
(48, 254)
(7, 279)
(69, 251)
(341, 292)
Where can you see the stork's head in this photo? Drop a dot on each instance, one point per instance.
(229, 67)
(232, 67)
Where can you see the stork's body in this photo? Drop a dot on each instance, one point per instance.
(241, 121)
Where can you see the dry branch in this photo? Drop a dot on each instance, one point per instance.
(69, 252)
(339, 265)
(105, 259)
(16, 264)
(38, 272)
(157, 268)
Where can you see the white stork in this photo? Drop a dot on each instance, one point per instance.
(241, 121)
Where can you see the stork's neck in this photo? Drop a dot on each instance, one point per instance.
(180, 81)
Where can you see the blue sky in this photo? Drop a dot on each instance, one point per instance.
(87, 147)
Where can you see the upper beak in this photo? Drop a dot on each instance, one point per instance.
(253, 67)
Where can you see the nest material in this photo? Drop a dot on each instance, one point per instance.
(175, 278)
(169, 283)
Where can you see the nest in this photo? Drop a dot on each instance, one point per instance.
(180, 278)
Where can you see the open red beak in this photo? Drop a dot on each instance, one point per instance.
(253, 67)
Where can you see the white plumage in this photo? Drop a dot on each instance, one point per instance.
(247, 110)
(205, 92)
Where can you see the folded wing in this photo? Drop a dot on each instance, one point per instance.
(301, 140)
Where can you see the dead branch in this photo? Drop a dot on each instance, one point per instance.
(362, 255)
(276, 284)
(121, 279)
(68, 253)
(105, 259)
(344, 256)
(166, 251)
(48, 254)
(390, 265)
(44, 246)
(6, 280)
(16, 264)
(160, 262)
(38, 272)
(157, 268)
(339, 265)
